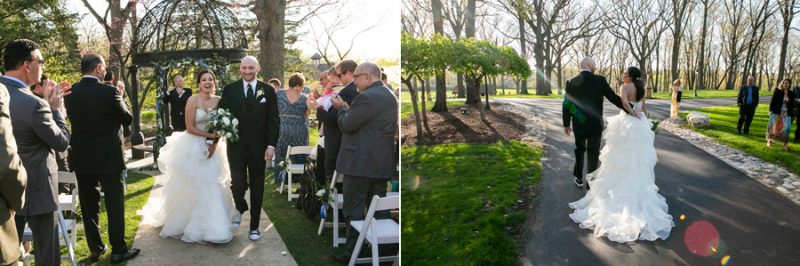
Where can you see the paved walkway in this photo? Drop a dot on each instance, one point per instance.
(269, 250)
(744, 220)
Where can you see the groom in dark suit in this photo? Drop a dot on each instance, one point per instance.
(255, 104)
(98, 112)
(583, 109)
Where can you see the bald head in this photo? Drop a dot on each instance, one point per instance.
(587, 63)
(250, 60)
(249, 68)
(365, 74)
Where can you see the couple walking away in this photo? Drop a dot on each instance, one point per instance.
(623, 203)
(204, 177)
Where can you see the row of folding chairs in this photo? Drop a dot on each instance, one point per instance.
(378, 231)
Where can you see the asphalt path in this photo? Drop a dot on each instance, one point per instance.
(729, 218)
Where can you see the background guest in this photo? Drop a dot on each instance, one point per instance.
(367, 160)
(109, 78)
(677, 93)
(12, 185)
(40, 90)
(747, 102)
(39, 128)
(98, 156)
(781, 108)
(333, 136)
(293, 108)
(177, 97)
(276, 84)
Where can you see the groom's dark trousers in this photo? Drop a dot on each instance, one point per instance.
(98, 112)
(589, 145)
(583, 111)
(258, 128)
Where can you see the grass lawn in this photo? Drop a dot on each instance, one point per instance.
(723, 129)
(457, 201)
(509, 93)
(701, 94)
(139, 186)
(297, 231)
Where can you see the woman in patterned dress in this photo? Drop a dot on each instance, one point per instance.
(294, 107)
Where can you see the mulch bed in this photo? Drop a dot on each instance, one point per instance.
(456, 127)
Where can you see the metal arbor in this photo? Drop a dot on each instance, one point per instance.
(176, 34)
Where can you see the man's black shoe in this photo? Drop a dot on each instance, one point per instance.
(95, 257)
(117, 258)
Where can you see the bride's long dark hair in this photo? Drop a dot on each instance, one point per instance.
(636, 77)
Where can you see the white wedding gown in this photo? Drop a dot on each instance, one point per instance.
(623, 203)
(195, 204)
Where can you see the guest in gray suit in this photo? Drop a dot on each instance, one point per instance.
(12, 185)
(39, 128)
(366, 154)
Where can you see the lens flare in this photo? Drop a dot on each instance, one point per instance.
(699, 236)
(725, 259)
(683, 217)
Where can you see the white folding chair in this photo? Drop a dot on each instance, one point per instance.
(67, 229)
(336, 204)
(293, 168)
(376, 231)
(68, 202)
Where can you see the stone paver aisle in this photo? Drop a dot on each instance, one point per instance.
(240, 251)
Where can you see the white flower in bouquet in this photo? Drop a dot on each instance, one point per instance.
(228, 135)
(226, 121)
(235, 122)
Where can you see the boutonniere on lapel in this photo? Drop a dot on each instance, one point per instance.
(260, 95)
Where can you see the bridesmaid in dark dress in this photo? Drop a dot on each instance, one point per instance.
(293, 107)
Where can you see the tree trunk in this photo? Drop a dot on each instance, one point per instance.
(787, 12)
(473, 92)
(460, 85)
(523, 85)
(441, 85)
(425, 94)
(701, 76)
(270, 15)
(414, 106)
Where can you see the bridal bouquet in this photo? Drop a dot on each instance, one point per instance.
(654, 123)
(223, 122)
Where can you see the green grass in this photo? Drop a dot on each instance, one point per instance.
(297, 231)
(501, 93)
(457, 201)
(139, 186)
(701, 94)
(723, 129)
(407, 109)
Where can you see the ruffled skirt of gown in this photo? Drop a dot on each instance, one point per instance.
(196, 204)
(623, 203)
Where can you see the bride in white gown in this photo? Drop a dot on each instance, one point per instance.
(623, 203)
(195, 204)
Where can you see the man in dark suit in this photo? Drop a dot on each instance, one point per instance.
(367, 152)
(176, 98)
(747, 102)
(13, 180)
(39, 128)
(255, 104)
(583, 110)
(98, 112)
(330, 127)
